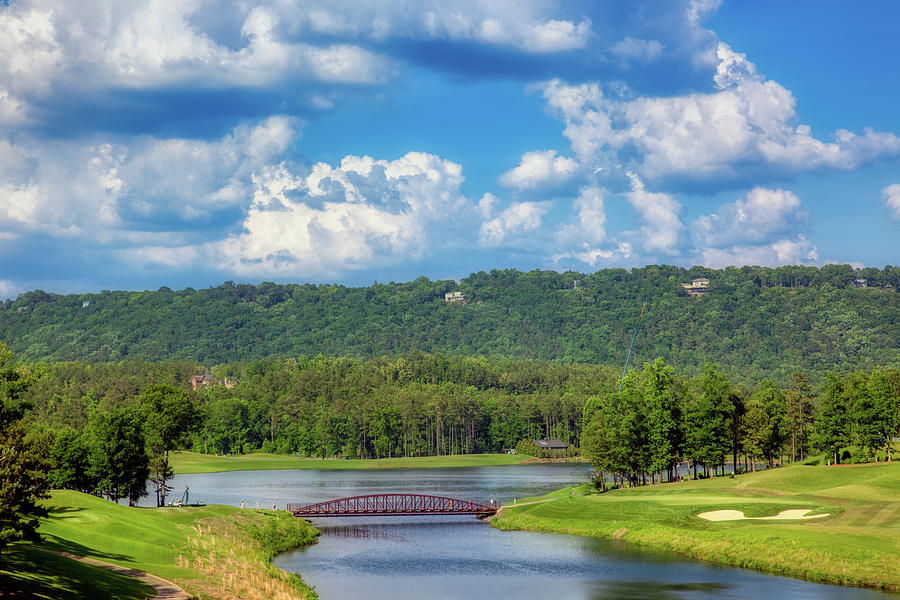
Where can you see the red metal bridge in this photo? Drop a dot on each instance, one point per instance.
(392, 505)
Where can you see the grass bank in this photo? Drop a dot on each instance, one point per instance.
(858, 544)
(192, 462)
(29, 572)
(210, 551)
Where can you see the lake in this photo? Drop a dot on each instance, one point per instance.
(462, 557)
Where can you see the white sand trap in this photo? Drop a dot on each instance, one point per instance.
(737, 515)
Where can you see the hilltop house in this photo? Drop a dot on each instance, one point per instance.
(697, 287)
(456, 296)
(198, 381)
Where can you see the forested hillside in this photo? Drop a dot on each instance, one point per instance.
(756, 322)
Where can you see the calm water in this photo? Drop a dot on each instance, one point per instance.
(462, 557)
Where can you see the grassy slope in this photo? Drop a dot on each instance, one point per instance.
(28, 572)
(859, 544)
(191, 462)
(207, 550)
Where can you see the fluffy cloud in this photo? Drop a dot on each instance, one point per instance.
(787, 251)
(891, 195)
(631, 50)
(661, 227)
(762, 215)
(157, 45)
(697, 10)
(539, 169)
(98, 188)
(332, 219)
(761, 229)
(8, 289)
(748, 124)
(513, 223)
(584, 238)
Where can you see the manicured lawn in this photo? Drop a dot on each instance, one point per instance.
(859, 544)
(29, 572)
(192, 462)
(207, 550)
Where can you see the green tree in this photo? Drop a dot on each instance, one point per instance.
(800, 412)
(71, 460)
(709, 420)
(119, 458)
(23, 471)
(170, 416)
(225, 425)
(663, 417)
(833, 423)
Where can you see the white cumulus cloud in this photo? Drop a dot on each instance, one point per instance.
(891, 195)
(539, 169)
(749, 125)
(332, 219)
(661, 227)
(787, 251)
(631, 49)
(513, 224)
(95, 187)
(763, 214)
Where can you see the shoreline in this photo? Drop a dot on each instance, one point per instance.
(856, 545)
(192, 462)
(213, 551)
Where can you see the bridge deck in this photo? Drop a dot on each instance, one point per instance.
(392, 505)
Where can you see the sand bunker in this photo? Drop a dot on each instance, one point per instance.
(736, 515)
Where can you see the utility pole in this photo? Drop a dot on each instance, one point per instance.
(643, 305)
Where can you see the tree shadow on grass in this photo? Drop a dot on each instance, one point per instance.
(59, 544)
(57, 511)
(29, 572)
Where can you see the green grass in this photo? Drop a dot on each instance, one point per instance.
(29, 572)
(859, 544)
(204, 549)
(192, 462)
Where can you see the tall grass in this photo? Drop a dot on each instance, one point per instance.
(211, 551)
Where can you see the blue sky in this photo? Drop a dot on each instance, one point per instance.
(153, 143)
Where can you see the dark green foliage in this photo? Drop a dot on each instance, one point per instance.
(170, 416)
(119, 459)
(23, 467)
(753, 321)
(833, 430)
(71, 459)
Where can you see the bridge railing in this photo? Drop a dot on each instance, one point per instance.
(392, 505)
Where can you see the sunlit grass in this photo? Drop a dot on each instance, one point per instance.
(858, 544)
(211, 550)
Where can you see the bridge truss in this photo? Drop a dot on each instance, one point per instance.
(392, 505)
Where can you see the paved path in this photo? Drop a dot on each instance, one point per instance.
(499, 510)
(165, 589)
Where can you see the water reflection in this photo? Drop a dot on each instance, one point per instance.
(439, 558)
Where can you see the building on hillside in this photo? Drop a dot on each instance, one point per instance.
(456, 297)
(198, 381)
(697, 287)
(860, 283)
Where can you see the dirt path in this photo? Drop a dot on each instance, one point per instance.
(165, 589)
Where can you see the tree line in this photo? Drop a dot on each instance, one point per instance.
(422, 404)
(752, 320)
(659, 420)
(107, 429)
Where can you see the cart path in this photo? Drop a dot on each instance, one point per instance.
(165, 589)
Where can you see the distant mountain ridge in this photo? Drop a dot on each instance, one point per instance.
(768, 321)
